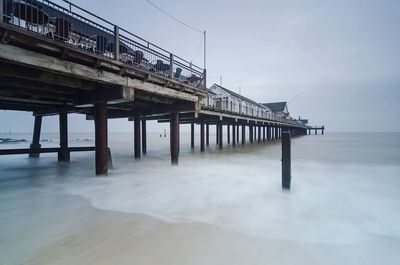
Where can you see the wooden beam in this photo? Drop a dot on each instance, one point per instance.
(48, 63)
(112, 95)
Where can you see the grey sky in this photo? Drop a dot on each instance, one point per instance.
(341, 58)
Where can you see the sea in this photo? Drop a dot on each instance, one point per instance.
(218, 207)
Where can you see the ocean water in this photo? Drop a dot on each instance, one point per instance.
(345, 193)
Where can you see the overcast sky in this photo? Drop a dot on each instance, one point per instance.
(336, 62)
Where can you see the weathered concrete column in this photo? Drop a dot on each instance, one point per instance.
(174, 144)
(63, 154)
(136, 136)
(202, 147)
(233, 135)
(37, 127)
(220, 134)
(286, 161)
(207, 134)
(259, 134)
(101, 141)
(144, 137)
(228, 133)
(243, 133)
(192, 135)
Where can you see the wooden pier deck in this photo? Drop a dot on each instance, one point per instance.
(42, 74)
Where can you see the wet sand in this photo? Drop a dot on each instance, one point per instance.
(80, 234)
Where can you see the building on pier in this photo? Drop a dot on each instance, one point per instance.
(228, 100)
(280, 109)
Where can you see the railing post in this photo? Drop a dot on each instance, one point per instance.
(116, 43)
(171, 66)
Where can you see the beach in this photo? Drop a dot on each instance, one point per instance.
(220, 207)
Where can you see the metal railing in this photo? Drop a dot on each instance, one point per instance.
(240, 110)
(73, 25)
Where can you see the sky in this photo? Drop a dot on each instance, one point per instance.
(337, 63)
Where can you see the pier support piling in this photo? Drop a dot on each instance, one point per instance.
(268, 133)
(101, 141)
(174, 144)
(192, 135)
(37, 127)
(63, 154)
(243, 133)
(216, 134)
(220, 135)
(237, 133)
(144, 137)
(263, 132)
(207, 135)
(251, 133)
(233, 135)
(259, 134)
(286, 161)
(228, 133)
(137, 137)
(202, 148)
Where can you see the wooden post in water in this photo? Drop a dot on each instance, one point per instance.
(174, 144)
(144, 137)
(63, 154)
(228, 133)
(233, 135)
(101, 141)
(36, 136)
(137, 137)
(286, 161)
(207, 134)
(243, 133)
(192, 135)
(202, 148)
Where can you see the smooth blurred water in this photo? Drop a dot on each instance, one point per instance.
(345, 190)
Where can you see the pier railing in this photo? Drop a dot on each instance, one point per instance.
(73, 25)
(238, 109)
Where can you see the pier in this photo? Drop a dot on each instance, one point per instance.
(61, 59)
